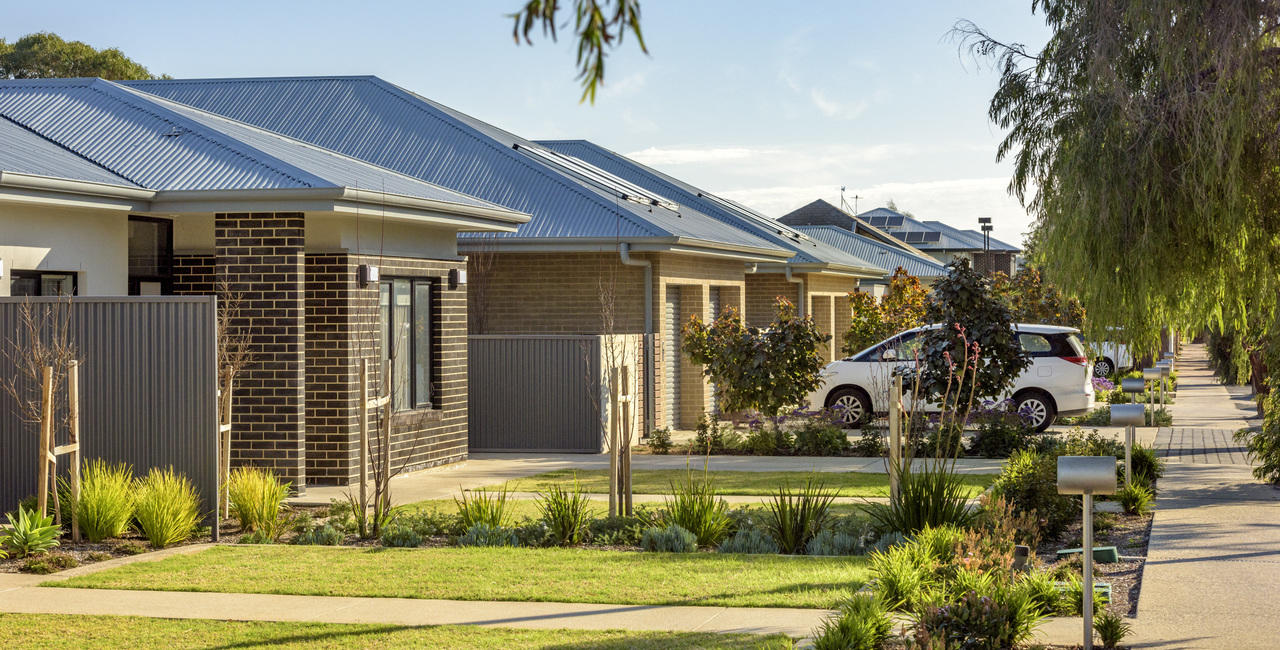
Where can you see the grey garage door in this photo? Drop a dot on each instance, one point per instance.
(671, 357)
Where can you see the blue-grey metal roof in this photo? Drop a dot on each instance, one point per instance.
(886, 256)
(972, 238)
(24, 152)
(731, 213)
(164, 146)
(375, 121)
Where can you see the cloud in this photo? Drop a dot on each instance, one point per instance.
(773, 160)
(691, 155)
(832, 108)
(628, 85)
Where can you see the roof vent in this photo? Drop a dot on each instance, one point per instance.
(175, 132)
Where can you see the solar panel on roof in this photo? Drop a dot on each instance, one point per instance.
(626, 190)
(894, 222)
(933, 237)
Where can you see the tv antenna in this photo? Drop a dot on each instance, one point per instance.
(844, 205)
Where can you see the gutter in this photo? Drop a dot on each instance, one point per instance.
(624, 250)
(800, 305)
(68, 186)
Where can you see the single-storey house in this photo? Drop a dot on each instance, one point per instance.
(107, 190)
(663, 259)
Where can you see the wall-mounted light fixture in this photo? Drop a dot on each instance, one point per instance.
(457, 277)
(367, 274)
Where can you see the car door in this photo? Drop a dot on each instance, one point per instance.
(897, 353)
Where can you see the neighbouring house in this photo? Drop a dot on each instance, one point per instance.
(106, 190)
(887, 256)
(938, 240)
(592, 233)
(818, 277)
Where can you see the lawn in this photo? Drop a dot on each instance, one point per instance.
(563, 575)
(658, 481)
(64, 631)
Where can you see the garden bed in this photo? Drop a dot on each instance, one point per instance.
(1130, 534)
(845, 484)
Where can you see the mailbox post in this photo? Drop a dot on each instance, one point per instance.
(1149, 375)
(1166, 368)
(1129, 416)
(1087, 475)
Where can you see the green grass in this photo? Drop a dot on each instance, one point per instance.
(658, 481)
(65, 631)
(551, 575)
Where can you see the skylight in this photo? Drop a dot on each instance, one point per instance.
(600, 178)
(773, 224)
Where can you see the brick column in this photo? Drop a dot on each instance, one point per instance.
(843, 319)
(695, 390)
(260, 255)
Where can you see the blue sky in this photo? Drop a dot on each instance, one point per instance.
(773, 104)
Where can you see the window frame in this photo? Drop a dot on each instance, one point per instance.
(38, 275)
(414, 340)
(165, 263)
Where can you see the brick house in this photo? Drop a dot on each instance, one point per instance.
(665, 258)
(105, 190)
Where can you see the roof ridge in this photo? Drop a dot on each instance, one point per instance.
(179, 120)
(314, 147)
(71, 151)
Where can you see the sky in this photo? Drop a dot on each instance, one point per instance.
(771, 104)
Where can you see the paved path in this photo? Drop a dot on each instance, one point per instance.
(1212, 575)
(491, 469)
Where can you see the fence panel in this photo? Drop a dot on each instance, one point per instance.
(148, 390)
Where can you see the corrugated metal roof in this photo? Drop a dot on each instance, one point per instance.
(886, 256)
(163, 146)
(950, 238)
(25, 152)
(372, 120)
(967, 238)
(731, 213)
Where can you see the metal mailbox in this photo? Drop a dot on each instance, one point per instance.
(1151, 374)
(1086, 474)
(1128, 415)
(1133, 385)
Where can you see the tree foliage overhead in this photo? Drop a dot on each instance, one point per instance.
(597, 24)
(901, 308)
(766, 370)
(46, 55)
(1144, 142)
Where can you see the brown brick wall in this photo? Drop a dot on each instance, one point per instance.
(343, 325)
(260, 256)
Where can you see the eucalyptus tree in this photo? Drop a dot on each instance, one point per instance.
(1144, 142)
(47, 55)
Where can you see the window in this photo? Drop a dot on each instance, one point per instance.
(42, 283)
(150, 256)
(405, 311)
(1035, 345)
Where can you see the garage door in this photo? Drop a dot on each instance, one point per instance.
(671, 356)
(714, 303)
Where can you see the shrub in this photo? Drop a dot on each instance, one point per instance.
(750, 541)
(695, 507)
(870, 444)
(324, 535)
(98, 556)
(1003, 618)
(1135, 498)
(998, 519)
(1001, 431)
(533, 533)
(483, 507)
(30, 533)
(795, 517)
(1073, 598)
(1159, 417)
(616, 531)
(1111, 628)
(1264, 445)
(863, 623)
(1147, 464)
(482, 534)
(432, 522)
(131, 547)
(931, 495)
(829, 542)
(256, 497)
(398, 535)
(106, 500)
(565, 513)
(49, 562)
(819, 435)
(257, 537)
(711, 436)
(672, 539)
(901, 575)
(659, 441)
(1044, 592)
(938, 544)
(168, 507)
(765, 441)
(1029, 482)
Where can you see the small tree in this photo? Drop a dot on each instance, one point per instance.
(969, 316)
(901, 308)
(867, 323)
(1032, 300)
(766, 370)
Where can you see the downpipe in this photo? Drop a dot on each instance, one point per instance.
(800, 302)
(624, 250)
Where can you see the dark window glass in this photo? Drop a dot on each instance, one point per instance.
(422, 343)
(405, 310)
(150, 256)
(42, 283)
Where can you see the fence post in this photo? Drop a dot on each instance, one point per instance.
(895, 433)
(224, 446)
(615, 454)
(364, 432)
(73, 414)
(46, 433)
(626, 436)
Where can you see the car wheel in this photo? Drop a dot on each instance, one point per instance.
(1036, 408)
(852, 404)
(1103, 367)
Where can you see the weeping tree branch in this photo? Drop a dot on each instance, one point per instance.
(598, 25)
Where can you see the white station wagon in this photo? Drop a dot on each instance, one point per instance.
(1058, 381)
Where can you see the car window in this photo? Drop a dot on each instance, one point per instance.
(909, 346)
(1035, 344)
(906, 345)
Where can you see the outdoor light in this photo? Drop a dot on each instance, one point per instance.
(1087, 475)
(457, 277)
(1128, 416)
(367, 274)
